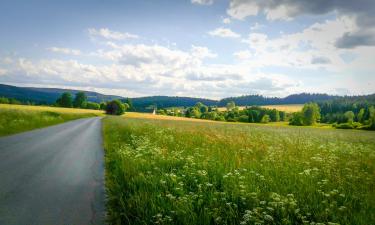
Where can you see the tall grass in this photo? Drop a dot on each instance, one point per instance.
(18, 119)
(181, 172)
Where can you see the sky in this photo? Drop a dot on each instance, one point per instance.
(197, 48)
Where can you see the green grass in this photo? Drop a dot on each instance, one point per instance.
(15, 119)
(184, 172)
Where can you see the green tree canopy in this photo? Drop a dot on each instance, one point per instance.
(80, 100)
(115, 107)
(311, 114)
(65, 100)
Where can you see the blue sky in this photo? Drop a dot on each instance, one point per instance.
(199, 48)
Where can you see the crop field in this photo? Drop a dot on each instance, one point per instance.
(184, 172)
(286, 108)
(19, 118)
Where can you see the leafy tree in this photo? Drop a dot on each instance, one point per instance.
(282, 116)
(349, 115)
(230, 105)
(296, 119)
(4, 100)
(360, 115)
(92, 105)
(103, 105)
(265, 119)
(80, 100)
(115, 107)
(65, 100)
(311, 114)
(372, 117)
(130, 103)
(274, 115)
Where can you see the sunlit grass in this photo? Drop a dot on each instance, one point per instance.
(19, 118)
(184, 172)
(286, 108)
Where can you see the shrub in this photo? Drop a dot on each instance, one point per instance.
(115, 107)
(92, 105)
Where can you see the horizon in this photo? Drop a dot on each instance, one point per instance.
(210, 49)
(212, 99)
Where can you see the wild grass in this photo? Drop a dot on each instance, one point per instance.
(183, 172)
(19, 118)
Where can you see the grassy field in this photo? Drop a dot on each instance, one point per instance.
(184, 172)
(286, 108)
(19, 118)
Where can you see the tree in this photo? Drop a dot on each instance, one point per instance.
(349, 116)
(296, 119)
(361, 115)
(230, 105)
(130, 103)
(274, 115)
(372, 117)
(115, 107)
(265, 119)
(92, 105)
(65, 100)
(80, 100)
(311, 114)
(4, 100)
(103, 105)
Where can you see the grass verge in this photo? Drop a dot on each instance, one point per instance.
(184, 172)
(19, 118)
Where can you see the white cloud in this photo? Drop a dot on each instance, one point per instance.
(3, 71)
(202, 2)
(302, 49)
(226, 20)
(66, 51)
(242, 55)
(256, 26)
(109, 34)
(224, 33)
(362, 12)
(239, 9)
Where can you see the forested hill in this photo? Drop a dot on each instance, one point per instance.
(46, 95)
(50, 95)
(291, 99)
(169, 101)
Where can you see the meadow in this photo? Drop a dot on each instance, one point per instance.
(161, 171)
(19, 118)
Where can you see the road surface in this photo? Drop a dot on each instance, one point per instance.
(53, 175)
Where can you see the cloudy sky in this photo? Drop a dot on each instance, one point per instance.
(199, 48)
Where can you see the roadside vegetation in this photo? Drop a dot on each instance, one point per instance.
(192, 172)
(19, 118)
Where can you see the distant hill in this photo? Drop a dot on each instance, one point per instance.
(167, 101)
(47, 95)
(291, 99)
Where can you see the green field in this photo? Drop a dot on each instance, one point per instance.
(191, 172)
(19, 118)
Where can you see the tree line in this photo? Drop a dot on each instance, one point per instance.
(114, 107)
(341, 114)
(254, 114)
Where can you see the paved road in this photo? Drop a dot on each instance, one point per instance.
(53, 175)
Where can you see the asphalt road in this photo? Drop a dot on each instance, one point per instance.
(53, 175)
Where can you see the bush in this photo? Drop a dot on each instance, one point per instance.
(115, 107)
(353, 125)
(243, 118)
(296, 119)
(92, 105)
